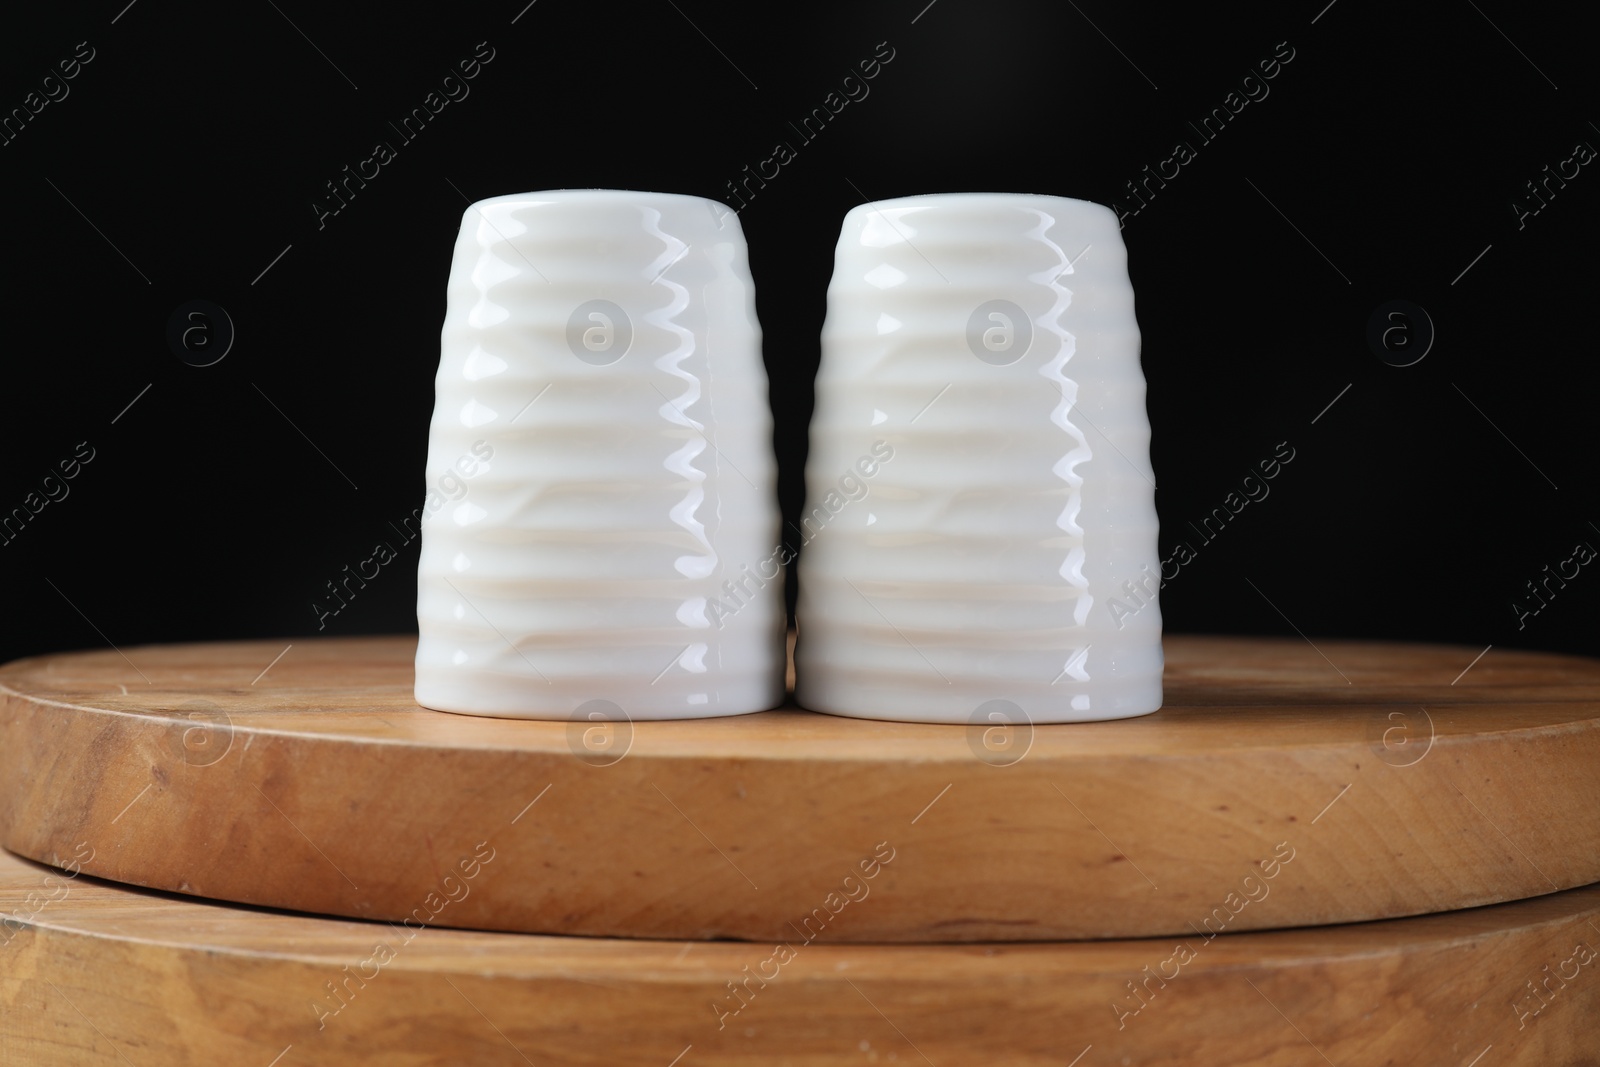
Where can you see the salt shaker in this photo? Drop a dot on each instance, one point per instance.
(979, 542)
(600, 470)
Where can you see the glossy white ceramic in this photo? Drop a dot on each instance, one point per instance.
(980, 533)
(600, 469)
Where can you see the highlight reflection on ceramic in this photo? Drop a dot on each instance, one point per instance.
(600, 468)
(1001, 566)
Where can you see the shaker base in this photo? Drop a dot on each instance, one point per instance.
(889, 705)
(616, 704)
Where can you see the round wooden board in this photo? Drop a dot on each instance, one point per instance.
(96, 973)
(319, 785)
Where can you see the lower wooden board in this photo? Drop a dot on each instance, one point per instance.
(1404, 779)
(95, 973)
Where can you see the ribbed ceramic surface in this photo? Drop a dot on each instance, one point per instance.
(600, 470)
(1006, 550)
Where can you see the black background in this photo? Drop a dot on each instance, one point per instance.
(1386, 158)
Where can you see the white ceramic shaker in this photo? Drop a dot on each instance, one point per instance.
(600, 469)
(979, 541)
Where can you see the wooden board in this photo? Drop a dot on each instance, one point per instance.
(320, 786)
(95, 973)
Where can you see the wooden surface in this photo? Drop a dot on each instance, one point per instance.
(95, 973)
(320, 786)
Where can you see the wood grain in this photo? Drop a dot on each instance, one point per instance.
(102, 974)
(321, 786)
